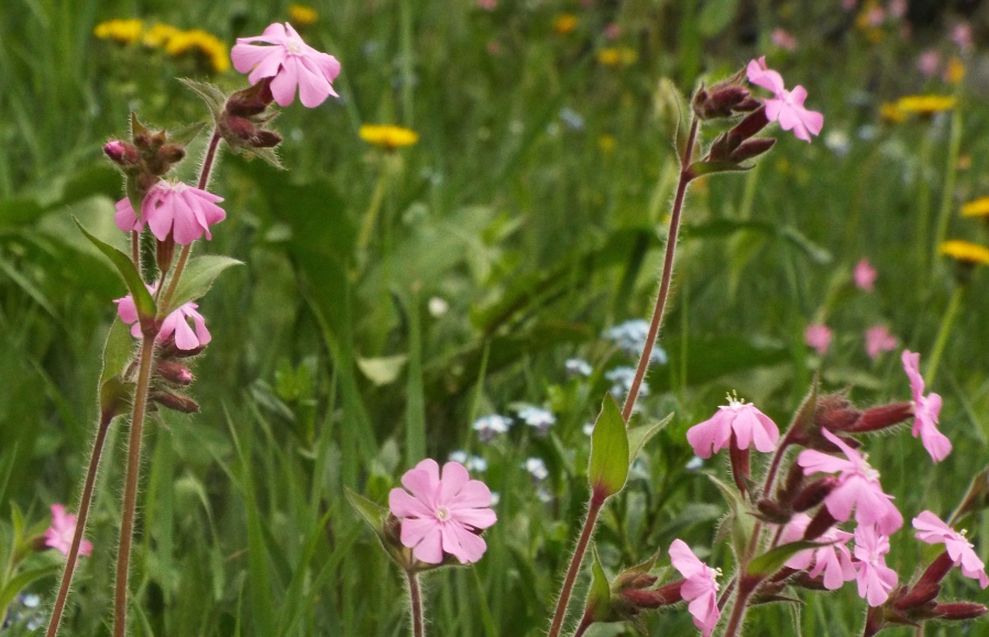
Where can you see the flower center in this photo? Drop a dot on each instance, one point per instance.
(442, 513)
(294, 46)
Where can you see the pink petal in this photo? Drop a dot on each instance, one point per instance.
(168, 325)
(313, 87)
(911, 365)
(474, 494)
(454, 478)
(185, 338)
(403, 505)
(246, 57)
(423, 482)
(127, 311)
(125, 218)
(430, 549)
(269, 66)
(86, 548)
(712, 435)
(413, 530)
(284, 85)
(462, 544)
(761, 75)
(476, 518)
(814, 461)
(684, 560)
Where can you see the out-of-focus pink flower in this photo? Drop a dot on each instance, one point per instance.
(848, 5)
(833, 560)
(783, 39)
(700, 587)
(744, 420)
(897, 8)
(926, 410)
(487, 5)
(929, 62)
(291, 63)
(442, 514)
(176, 323)
(865, 276)
(858, 487)
(875, 579)
(932, 530)
(818, 337)
(961, 35)
(875, 16)
(59, 535)
(785, 107)
(182, 210)
(878, 339)
(612, 31)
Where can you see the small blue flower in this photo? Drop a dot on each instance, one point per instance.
(536, 417)
(630, 337)
(537, 468)
(578, 367)
(621, 382)
(572, 118)
(487, 427)
(470, 462)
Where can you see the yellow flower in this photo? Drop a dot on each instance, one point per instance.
(955, 71)
(565, 23)
(966, 252)
(123, 31)
(926, 104)
(623, 56)
(302, 15)
(607, 144)
(388, 136)
(977, 208)
(199, 41)
(160, 35)
(890, 112)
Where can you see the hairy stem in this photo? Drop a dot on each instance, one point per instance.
(129, 506)
(415, 605)
(593, 510)
(82, 517)
(738, 610)
(585, 623)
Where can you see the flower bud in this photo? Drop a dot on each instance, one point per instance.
(814, 493)
(175, 372)
(122, 153)
(928, 585)
(773, 512)
(960, 610)
(638, 599)
(749, 126)
(164, 251)
(253, 100)
(720, 100)
(752, 148)
(739, 465)
(881, 417)
(171, 153)
(177, 402)
(819, 524)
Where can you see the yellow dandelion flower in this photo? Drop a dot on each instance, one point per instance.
(565, 23)
(123, 31)
(977, 208)
(890, 112)
(607, 144)
(160, 35)
(955, 71)
(621, 56)
(966, 252)
(203, 43)
(926, 104)
(388, 136)
(302, 15)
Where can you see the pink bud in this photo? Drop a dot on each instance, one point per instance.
(121, 153)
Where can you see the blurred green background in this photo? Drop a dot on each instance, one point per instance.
(526, 221)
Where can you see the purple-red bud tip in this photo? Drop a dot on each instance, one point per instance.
(120, 152)
(814, 493)
(653, 598)
(819, 524)
(877, 418)
(960, 610)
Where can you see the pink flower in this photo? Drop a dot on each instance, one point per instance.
(865, 276)
(700, 587)
(59, 535)
(833, 560)
(443, 514)
(926, 410)
(858, 486)
(848, 5)
(487, 5)
(184, 211)
(875, 16)
(932, 530)
(961, 35)
(176, 323)
(744, 420)
(878, 339)
(897, 8)
(125, 218)
(783, 39)
(612, 31)
(785, 107)
(929, 62)
(291, 62)
(875, 579)
(818, 336)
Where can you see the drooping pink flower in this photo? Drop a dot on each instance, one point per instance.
(932, 530)
(875, 579)
(176, 323)
(865, 276)
(926, 410)
(783, 39)
(878, 339)
(700, 587)
(182, 210)
(785, 107)
(818, 337)
(125, 218)
(442, 514)
(929, 62)
(833, 560)
(858, 487)
(744, 420)
(293, 64)
(59, 535)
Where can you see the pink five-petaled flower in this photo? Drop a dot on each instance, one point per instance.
(818, 337)
(442, 514)
(865, 276)
(875, 579)
(932, 530)
(785, 107)
(176, 323)
(744, 420)
(926, 410)
(291, 63)
(182, 210)
(59, 535)
(858, 487)
(700, 587)
(878, 339)
(833, 560)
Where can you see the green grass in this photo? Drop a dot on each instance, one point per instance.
(536, 238)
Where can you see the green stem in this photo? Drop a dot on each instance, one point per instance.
(373, 209)
(947, 322)
(947, 195)
(559, 614)
(129, 505)
(415, 605)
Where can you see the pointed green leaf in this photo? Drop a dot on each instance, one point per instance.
(639, 436)
(215, 98)
(371, 512)
(198, 279)
(741, 521)
(117, 351)
(22, 580)
(609, 451)
(142, 298)
(773, 560)
(136, 127)
(599, 594)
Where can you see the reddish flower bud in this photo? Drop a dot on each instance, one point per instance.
(881, 417)
(814, 493)
(639, 598)
(773, 512)
(793, 482)
(928, 585)
(752, 148)
(749, 126)
(960, 610)
(250, 101)
(819, 524)
(835, 413)
(720, 100)
(171, 153)
(122, 153)
(739, 465)
(177, 402)
(175, 372)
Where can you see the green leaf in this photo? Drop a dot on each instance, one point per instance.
(700, 168)
(142, 298)
(371, 512)
(772, 561)
(609, 451)
(816, 253)
(599, 594)
(22, 580)
(741, 521)
(382, 370)
(639, 436)
(198, 279)
(215, 98)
